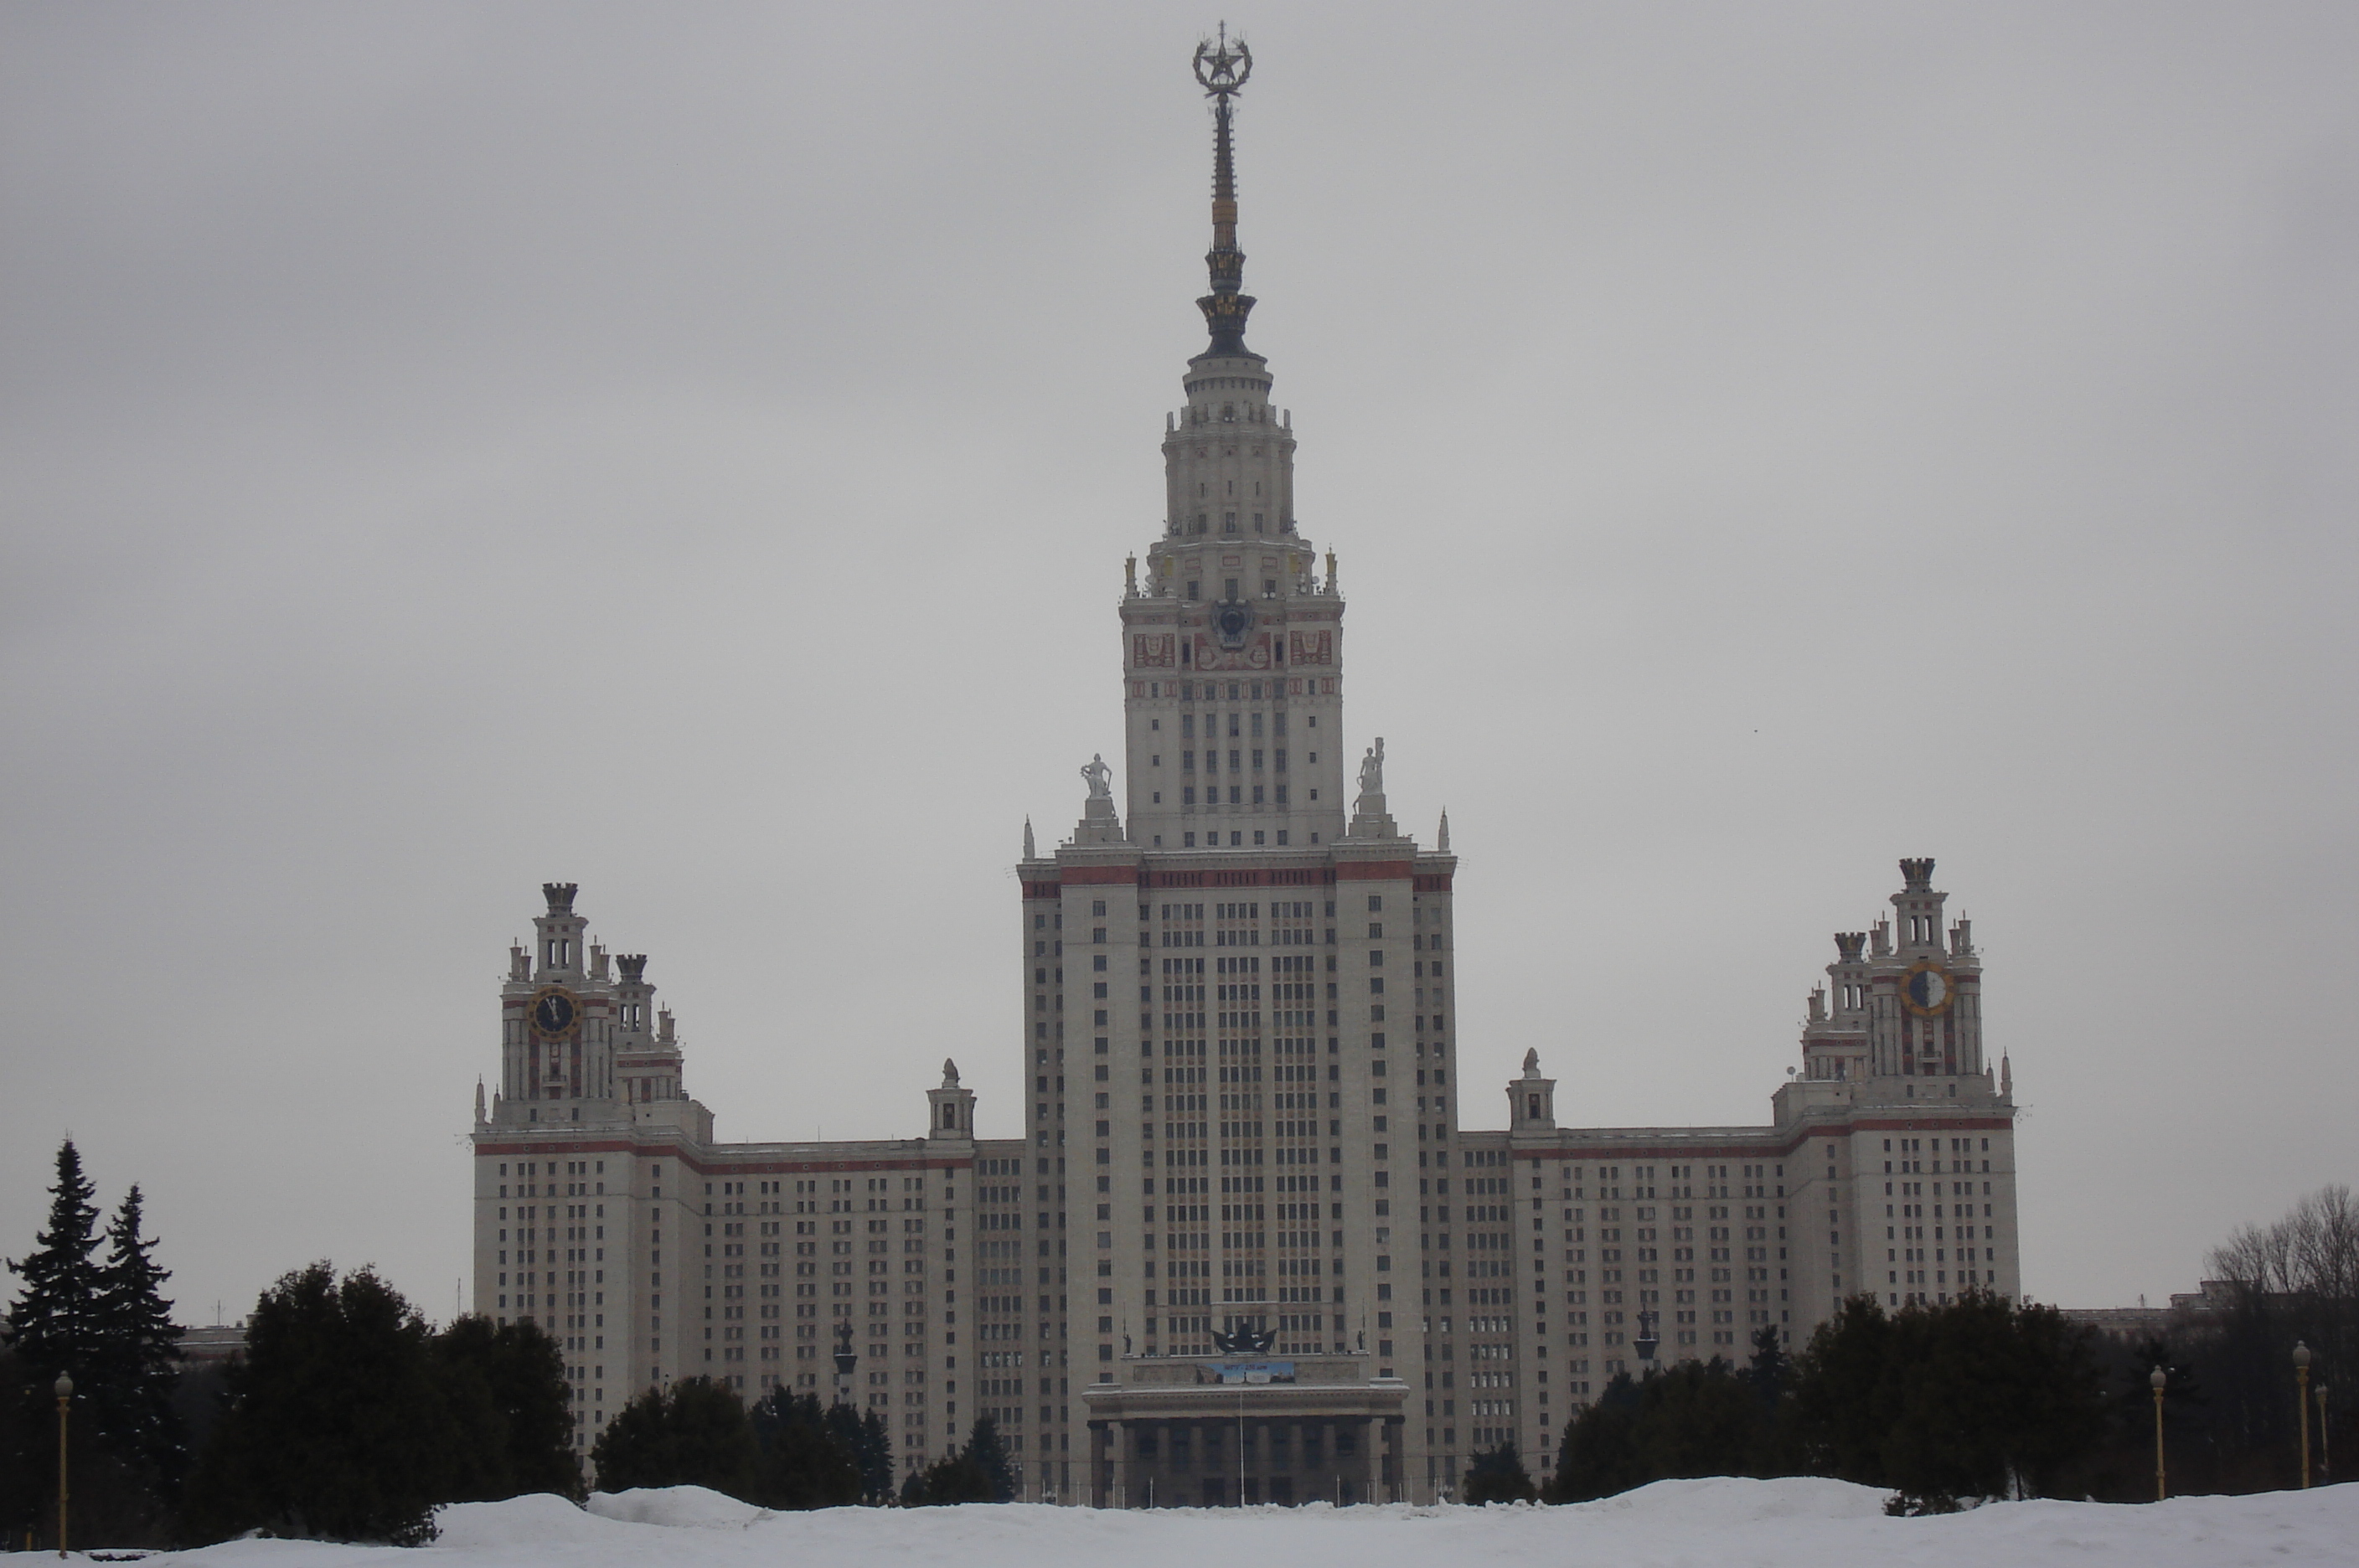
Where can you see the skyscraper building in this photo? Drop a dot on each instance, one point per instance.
(1246, 1249)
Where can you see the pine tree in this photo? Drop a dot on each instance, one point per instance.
(1769, 1366)
(979, 1473)
(864, 1437)
(54, 1320)
(336, 1426)
(508, 1409)
(803, 1463)
(134, 1362)
(875, 1458)
(988, 1456)
(105, 1322)
(694, 1434)
(1599, 1455)
(51, 1331)
(1497, 1475)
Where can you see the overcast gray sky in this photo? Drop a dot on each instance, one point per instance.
(690, 451)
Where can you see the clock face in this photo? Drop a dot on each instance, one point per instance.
(1926, 991)
(553, 1010)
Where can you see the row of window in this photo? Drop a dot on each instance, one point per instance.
(1213, 760)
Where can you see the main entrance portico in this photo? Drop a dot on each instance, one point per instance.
(1186, 1432)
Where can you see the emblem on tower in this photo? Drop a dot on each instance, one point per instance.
(1221, 67)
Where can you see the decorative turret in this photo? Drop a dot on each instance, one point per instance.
(1835, 1039)
(559, 932)
(950, 1109)
(1531, 1099)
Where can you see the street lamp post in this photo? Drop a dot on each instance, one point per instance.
(63, 1388)
(2301, 1402)
(2325, 1453)
(2161, 1488)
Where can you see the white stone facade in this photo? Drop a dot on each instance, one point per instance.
(1245, 1115)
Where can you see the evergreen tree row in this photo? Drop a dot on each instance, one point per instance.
(787, 1451)
(1978, 1397)
(92, 1306)
(346, 1419)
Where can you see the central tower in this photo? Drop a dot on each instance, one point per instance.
(1224, 1104)
(1233, 645)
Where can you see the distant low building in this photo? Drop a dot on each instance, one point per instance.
(213, 1344)
(2188, 1309)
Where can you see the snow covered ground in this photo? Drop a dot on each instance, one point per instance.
(1794, 1523)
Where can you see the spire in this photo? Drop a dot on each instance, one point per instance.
(1442, 840)
(1029, 853)
(1221, 68)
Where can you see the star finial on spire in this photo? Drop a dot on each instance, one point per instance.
(1223, 66)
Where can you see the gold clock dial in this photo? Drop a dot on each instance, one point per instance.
(1926, 991)
(553, 1010)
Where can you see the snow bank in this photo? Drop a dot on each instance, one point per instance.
(543, 1520)
(1718, 1523)
(1735, 1501)
(677, 1507)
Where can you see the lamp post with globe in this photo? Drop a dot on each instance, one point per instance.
(63, 1389)
(2301, 1402)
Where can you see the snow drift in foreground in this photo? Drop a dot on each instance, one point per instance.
(1720, 1523)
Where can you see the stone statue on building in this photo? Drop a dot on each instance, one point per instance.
(1372, 770)
(1100, 776)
